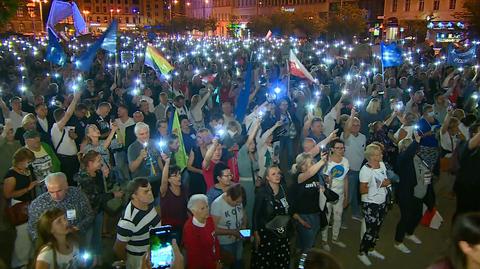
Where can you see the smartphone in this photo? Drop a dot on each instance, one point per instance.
(245, 233)
(161, 251)
(301, 263)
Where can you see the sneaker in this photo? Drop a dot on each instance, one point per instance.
(376, 254)
(339, 243)
(357, 218)
(364, 259)
(326, 247)
(414, 239)
(402, 248)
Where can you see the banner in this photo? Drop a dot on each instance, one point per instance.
(468, 57)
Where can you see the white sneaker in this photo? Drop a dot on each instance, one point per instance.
(339, 243)
(414, 239)
(402, 248)
(326, 246)
(376, 254)
(364, 259)
(357, 218)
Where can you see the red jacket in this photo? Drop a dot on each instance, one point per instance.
(201, 244)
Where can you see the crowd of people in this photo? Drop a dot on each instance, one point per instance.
(95, 155)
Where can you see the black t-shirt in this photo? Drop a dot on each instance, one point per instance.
(21, 182)
(306, 196)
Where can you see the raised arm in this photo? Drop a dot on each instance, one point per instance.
(313, 170)
(4, 108)
(446, 122)
(348, 124)
(209, 153)
(110, 136)
(190, 167)
(71, 108)
(164, 184)
(270, 131)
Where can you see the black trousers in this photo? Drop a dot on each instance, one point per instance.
(69, 165)
(410, 215)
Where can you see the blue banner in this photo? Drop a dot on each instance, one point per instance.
(391, 55)
(456, 58)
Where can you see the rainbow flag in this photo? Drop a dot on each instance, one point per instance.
(155, 60)
(181, 157)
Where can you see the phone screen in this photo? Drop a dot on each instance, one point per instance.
(301, 263)
(245, 233)
(161, 251)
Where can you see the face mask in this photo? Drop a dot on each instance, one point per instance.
(431, 114)
(232, 133)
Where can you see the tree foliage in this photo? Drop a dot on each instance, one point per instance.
(472, 15)
(8, 9)
(347, 22)
(183, 24)
(415, 28)
(304, 24)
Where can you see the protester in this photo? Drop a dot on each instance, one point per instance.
(223, 179)
(8, 147)
(199, 237)
(19, 188)
(133, 227)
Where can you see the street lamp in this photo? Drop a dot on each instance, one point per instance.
(172, 3)
(85, 14)
(41, 9)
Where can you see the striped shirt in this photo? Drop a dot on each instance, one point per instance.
(134, 228)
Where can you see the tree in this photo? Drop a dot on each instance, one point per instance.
(211, 24)
(260, 25)
(349, 21)
(282, 23)
(415, 28)
(472, 15)
(8, 9)
(309, 24)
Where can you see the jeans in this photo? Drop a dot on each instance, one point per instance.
(307, 237)
(353, 192)
(121, 164)
(235, 249)
(95, 242)
(337, 210)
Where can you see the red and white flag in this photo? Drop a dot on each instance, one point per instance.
(209, 78)
(297, 69)
(269, 34)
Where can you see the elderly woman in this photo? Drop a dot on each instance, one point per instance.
(407, 128)
(306, 190)
(271, 223)
(29, 123)
(415, 182)
(18, 189)
(373, 188)
(199, 239)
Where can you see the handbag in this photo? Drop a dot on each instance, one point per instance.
(332, 197)
(18, 213)
(278, 225)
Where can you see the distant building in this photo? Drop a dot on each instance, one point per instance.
(441, 17)
(27, 19)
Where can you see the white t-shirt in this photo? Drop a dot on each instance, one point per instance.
(68, 146)
(63, 261)
(374, 178)
(230, 218)
(16, 119)
(337, 172)
(354, 150)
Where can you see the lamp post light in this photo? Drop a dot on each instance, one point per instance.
(85, 14)
(205, 3)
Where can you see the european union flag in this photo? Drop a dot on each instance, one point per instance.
(55, 53)
(391, 55)
(242, 100)
(459, 58)
(107, 41)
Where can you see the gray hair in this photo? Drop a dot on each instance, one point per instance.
(55, 177)
(140, 126)
(193, 201)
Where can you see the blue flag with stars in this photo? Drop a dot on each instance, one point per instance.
(55, 53)
(391, 55)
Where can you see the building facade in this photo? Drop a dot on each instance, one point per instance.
(240, 12)
(440, 16)
(27, 20)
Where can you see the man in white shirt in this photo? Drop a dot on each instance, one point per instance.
(63, 138)
(16, 114)
(355, 143)
(123, 121)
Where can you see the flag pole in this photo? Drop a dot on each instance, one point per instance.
(116, 67)
(288, 80)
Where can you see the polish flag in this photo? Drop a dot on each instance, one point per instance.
(209, 78)
(297, 69)
(269, 34)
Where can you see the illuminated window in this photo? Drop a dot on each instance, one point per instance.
(436, 4)
(394, 5)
